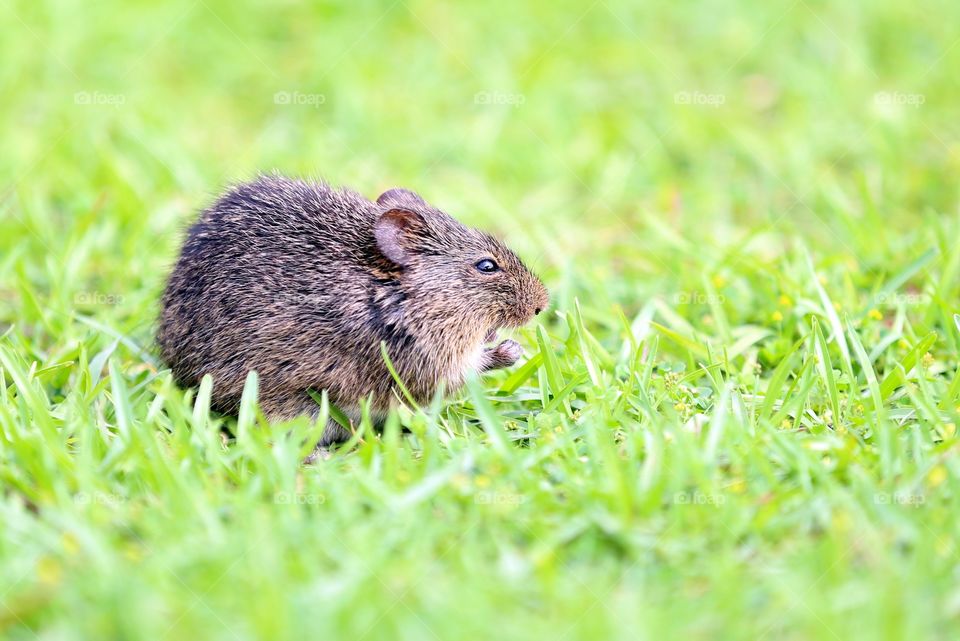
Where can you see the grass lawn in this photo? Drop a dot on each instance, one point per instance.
(737, 420)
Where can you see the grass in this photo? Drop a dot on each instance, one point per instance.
(737, 421)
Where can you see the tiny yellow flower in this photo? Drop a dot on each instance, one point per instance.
(875, 315)
(927, 359)
(903, 344)
(49, 570)
(786, 423)
(70, 544)
(681, 406)
(482, 481)
(776, 316)
(133, 552)
(937, 476)
(949, 430)
(842, 521)
(719, 281)
(784, 300)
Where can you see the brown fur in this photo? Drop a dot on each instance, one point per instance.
(301, 282)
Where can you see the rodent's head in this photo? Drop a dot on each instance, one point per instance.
(465, 272)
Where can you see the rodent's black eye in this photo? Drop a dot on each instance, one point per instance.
(487, 266)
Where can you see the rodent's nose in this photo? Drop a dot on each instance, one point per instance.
(537, 311)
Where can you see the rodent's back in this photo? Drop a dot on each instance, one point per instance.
(270, 277)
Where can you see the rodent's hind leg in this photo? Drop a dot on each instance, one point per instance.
(333, 434)
(288, 405)
(503, 355)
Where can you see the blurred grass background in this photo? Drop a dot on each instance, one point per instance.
(586, 123)
(673, 160)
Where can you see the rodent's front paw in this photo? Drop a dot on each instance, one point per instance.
(505, 354)
(510, 350)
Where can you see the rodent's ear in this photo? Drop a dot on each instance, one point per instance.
(397, 231)
(398, 194)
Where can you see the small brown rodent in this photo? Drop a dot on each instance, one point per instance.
(301, 282)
